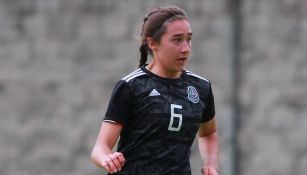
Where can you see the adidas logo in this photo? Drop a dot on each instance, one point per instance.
(154, 92)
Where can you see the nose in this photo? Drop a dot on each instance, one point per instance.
(186, 47)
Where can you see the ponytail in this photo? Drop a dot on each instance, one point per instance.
(144, 54)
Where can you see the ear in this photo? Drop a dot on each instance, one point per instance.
(151, 43)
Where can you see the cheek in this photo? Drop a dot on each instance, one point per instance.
(169, 53)
(171, 49)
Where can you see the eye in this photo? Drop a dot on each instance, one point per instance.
(189, 39)
(177, 40)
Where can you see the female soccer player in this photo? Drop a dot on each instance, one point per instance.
(158, 109)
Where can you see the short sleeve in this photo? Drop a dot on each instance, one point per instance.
(209, 111)
(119, 108)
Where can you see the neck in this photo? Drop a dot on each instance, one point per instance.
(162, 72)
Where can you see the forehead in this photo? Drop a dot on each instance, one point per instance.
(181, 26)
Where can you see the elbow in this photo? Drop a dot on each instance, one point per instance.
(94, 156)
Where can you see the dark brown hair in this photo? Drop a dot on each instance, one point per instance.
(154, 27)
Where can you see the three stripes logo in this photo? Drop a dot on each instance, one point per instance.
(154, 92)
(133, 75)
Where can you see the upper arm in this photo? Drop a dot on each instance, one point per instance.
(209, 110)
(207, 128)
(108, 134)
(120, 104)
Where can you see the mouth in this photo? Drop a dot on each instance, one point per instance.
(182, 59)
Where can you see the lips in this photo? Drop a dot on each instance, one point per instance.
(182, 59)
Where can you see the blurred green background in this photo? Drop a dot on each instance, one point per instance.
(59, 60)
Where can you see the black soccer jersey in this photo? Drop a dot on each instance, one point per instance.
(160, 119)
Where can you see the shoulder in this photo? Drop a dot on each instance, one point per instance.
(197, 77)
(133, 75)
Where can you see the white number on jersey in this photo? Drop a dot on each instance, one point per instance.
(174, 115)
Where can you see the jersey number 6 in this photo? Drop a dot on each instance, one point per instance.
(174, 115)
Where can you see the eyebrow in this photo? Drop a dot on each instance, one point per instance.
(180, 34)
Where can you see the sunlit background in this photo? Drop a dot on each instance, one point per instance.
(59, 60)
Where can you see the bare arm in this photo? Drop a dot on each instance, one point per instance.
(208, 147)
(102, 154)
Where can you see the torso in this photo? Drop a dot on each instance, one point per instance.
(164, 120)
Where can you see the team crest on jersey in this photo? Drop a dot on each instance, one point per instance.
(193, 94)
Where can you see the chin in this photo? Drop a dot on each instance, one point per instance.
(179, 68)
